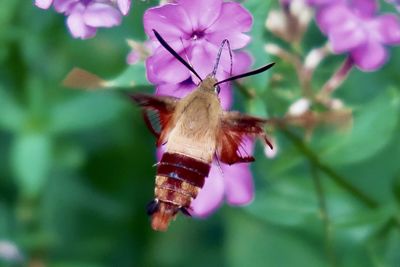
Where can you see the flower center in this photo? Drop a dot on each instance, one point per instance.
(197, 34)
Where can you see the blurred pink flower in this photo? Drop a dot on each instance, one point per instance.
(354, 27)
(85, 16)
(196, 29)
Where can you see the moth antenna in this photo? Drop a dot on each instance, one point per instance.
(225, 41)
(186, 54)
(175, 54)
(250, 73)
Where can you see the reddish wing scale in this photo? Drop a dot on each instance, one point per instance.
(234, 129)
(162, 107)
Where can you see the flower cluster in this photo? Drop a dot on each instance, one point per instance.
(354, 27)
(85, 16)
(195, 30)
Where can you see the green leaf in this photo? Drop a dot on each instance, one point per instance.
(374, 125)
(251, 243)
(85, 111)
(257, 107)
(11, 115)
(31, 161)
(133, 76)
(286, 202)
(76, 264)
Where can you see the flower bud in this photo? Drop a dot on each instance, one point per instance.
(299, 107)
(290, 22)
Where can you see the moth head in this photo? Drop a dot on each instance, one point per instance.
(208, 84)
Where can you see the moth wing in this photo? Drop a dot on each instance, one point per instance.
(234, 129)
(157, 113)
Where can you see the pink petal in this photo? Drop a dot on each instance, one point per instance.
(321, 2)
(369, 57)
(333, 16)
(62, 6)
(239, 189)
(169, 20)
(241, 63)
(225, 96)
(202, 13)
(387, 29)
(211, 196)
(77, 26)
(124, 6)
(163, 67)
(344, 39)
(203, 58)
(365, 8)
(236, 39)
(44, 4)
(178, 90)
(234, 20)
(101, 15)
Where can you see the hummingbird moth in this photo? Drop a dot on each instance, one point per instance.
(195, 130)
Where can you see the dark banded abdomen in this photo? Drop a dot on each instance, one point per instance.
(180, 178)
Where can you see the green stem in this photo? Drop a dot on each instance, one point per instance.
(329, 246)
(338, 179)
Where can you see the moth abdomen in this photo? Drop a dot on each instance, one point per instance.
(179, 179)
(183, 175)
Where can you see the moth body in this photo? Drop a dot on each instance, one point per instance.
(190, 149)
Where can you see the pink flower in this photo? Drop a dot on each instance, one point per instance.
(196, 29)
(233, 183)
(85, 16)
(185, 87)
(353, 27)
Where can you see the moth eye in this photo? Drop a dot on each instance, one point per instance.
(152, 207)
(217, 89)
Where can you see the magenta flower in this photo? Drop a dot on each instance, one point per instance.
(233, 183)
(353, 27)
(196, 29)
(85, 16)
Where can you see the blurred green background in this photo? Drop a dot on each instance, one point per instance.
(76, 167)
